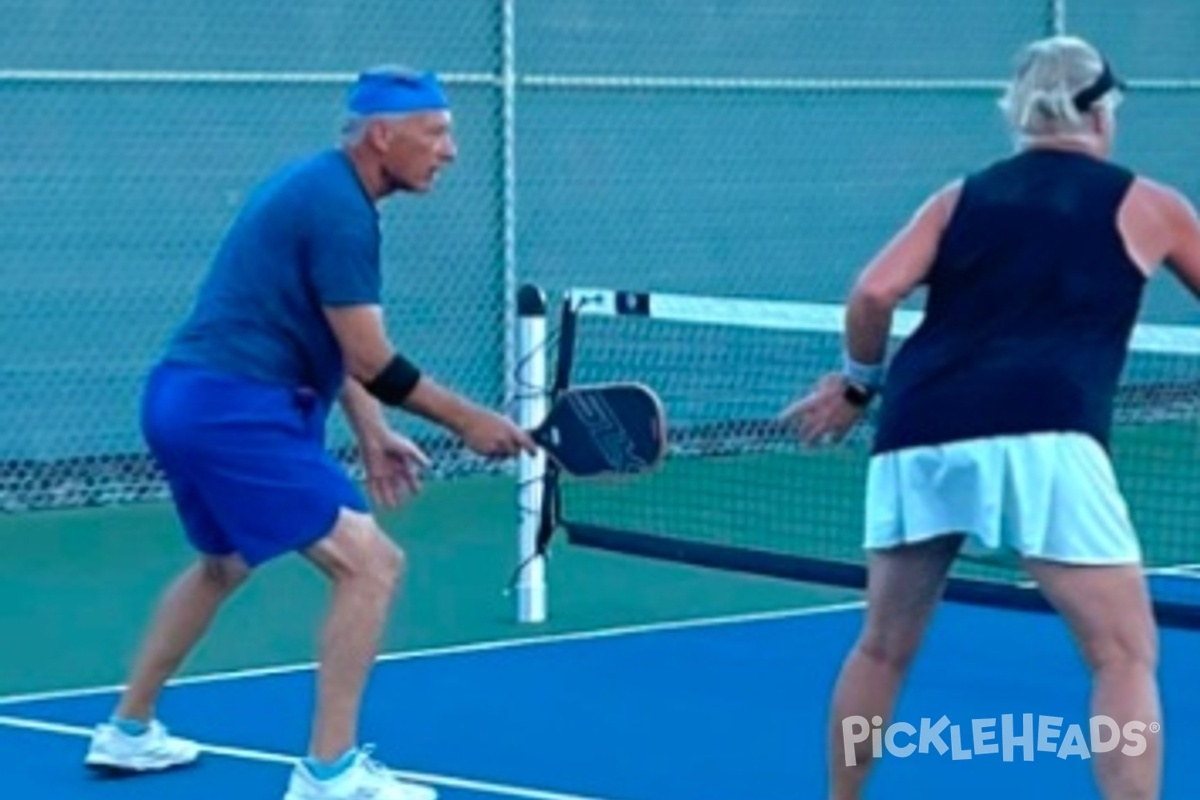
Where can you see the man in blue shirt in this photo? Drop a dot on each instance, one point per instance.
(287, 323)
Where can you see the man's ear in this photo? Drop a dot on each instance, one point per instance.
(379, 135)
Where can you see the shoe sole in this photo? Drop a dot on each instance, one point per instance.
(306, 793)
(115, 769)
(304, 796)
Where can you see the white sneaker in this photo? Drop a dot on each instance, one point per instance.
(366, 779)
(112, 750)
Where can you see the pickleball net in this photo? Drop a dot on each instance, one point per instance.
(738, 492)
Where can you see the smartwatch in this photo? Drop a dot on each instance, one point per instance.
(857, 395)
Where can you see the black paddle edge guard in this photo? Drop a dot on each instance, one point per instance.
(840, 574)
(550, 518)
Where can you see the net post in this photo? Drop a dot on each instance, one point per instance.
(532, 404)
(508, 183)
(1056, 17)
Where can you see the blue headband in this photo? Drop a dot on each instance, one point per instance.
(395, 90)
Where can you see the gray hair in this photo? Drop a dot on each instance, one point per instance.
(1050, 73)
(352, 129)
(354, 126)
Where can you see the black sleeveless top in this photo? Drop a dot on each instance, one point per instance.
(1031, 303)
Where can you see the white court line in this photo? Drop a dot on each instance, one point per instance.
(263, 756)
(1181, 571)
(463, 649)
(1178, 571)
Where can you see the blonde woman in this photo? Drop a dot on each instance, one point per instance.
(996, 411)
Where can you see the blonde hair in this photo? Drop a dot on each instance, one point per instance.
(1049, 74)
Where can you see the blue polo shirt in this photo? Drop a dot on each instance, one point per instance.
(307, 237)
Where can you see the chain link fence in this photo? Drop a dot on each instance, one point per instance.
(758, 148)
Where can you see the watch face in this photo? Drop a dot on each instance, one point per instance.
(856, 395)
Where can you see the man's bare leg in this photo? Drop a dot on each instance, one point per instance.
(366, 568)
(183, 616)
(133, 741)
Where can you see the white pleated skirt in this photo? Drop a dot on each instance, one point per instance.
(1051, 496)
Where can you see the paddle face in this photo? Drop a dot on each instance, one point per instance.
(606, 429)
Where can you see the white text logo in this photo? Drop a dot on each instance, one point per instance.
(1005, 737)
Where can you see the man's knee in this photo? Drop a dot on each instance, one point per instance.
(390, 561)
(224, 573)
(358, 550)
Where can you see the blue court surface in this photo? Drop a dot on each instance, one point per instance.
(703, 710)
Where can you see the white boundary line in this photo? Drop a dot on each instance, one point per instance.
(263, 756)
(463, 649)
(1177, 571)
(1189, 571)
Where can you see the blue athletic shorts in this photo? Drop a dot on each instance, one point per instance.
(246, 462)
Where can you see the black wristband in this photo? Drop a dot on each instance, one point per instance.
(395, 383)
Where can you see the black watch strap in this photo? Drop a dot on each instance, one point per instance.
(858, 395)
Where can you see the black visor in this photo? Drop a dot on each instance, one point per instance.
(1104, 84)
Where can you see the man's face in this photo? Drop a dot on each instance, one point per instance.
(415, 149)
